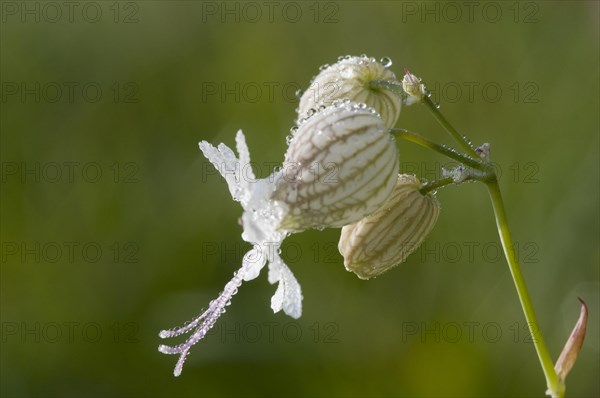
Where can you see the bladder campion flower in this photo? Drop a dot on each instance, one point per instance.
(340, 170)
(353, 139)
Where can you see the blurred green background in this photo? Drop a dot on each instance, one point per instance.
(114, 226)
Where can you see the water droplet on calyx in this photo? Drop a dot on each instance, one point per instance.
(386, 62)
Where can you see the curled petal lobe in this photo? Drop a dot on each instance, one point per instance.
(288, 296)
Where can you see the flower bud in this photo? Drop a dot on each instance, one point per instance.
(413, 87)
(570, 352)
(340, 166)
(385, 238)
(351, 78)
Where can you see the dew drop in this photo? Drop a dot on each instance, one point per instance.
(323, 67)
(311, 112)
(386, 62)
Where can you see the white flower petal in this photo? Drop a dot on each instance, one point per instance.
(254, 261)
(288, 295)
(246, 172)
(260, 220)
(226, 163)
(277, 299)
(275, 270)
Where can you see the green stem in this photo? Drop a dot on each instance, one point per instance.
(392, 86)
(398, 90)
(555, 387)
(433, 185)
(446, 124)
(449, 152)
